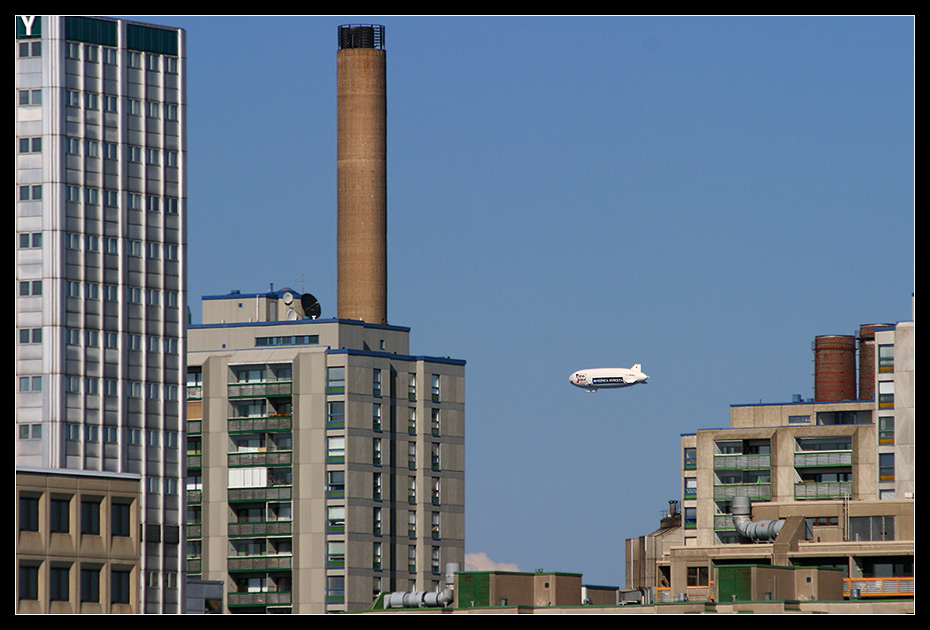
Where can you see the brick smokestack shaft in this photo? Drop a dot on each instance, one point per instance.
(362, 174)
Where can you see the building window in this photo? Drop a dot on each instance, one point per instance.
(336, 449)
(411, 421)
(435, 457)
(30, 241)
(28, 514)
(336, 415)
(30, 335)
(886, 394)
(335, 554)
(376, 521)
(864, 528)
(886, 466)
(119, 587)
(376, 382)
(30, 145)
(411, 490)
(28, 582)
(690, 518)
(30, 383)
(434, 388)
(434, 525)
(376, 451)
(29, 288)
(335, 519)
(30, 193)
(886, 430)
(120, 519)
(336, 380)
(412, 559)
(690, 488)
(434, 560)
(58, 579)
(434, 497)
(376, 556)
(90, 517)
(30, 97)
(30, 431)
(799, 419)
(376, 486)
(412, 524)
(335, 484)
(689, 458)
(335, 589)
(90, 585)
(376, 416)
(698, 576)
(434, 422)
(59, 516)
(411, 386)
(886, 358)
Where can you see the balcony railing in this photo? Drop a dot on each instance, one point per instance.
(270, 493)
(259, 390)
(743, 462)
(880, 587)
(263, 423)
(261, 528)
(259, 563)
(752, 490)
(823, 458)
(265, 598)
(822, 489)
(265, 458)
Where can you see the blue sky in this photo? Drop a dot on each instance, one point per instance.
(699, 195)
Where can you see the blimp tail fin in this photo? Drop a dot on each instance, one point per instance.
(637, 368)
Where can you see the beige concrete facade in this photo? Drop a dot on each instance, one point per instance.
(327, 463)
(838, 474)
(78, 543)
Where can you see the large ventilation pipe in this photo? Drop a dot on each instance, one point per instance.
(361, 173)
(834, 367)
(755, 531)
(426, 599)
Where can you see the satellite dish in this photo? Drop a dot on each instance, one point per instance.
(310, 306)
(288, 297)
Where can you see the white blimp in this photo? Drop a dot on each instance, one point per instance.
(608, 378)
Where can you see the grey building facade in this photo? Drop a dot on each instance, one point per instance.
(100, 270)
(325, 462)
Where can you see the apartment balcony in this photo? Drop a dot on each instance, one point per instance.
(879, 587)
(822, 489)
(756, 491)
(261, 528)
(260, 458)
(259, 390)
(282, 422)
(259, 494)
(260, 598)
(259, 563)
(737, 461)
(823, 458)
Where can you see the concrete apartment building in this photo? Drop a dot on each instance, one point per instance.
(100, 281)
(325, 462)
(835, 473)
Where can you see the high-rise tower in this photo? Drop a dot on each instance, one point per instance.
(100, 273)
(362, 174)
